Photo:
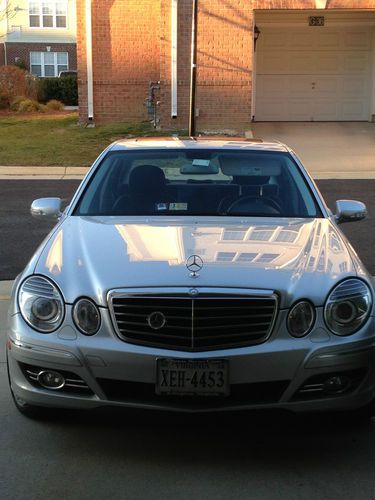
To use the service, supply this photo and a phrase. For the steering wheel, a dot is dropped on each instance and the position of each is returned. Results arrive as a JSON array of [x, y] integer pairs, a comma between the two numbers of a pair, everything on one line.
[[259, 204]]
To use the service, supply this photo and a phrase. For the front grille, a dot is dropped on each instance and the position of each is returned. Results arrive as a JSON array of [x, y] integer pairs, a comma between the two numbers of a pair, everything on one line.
[[240, 394], [200, 323]]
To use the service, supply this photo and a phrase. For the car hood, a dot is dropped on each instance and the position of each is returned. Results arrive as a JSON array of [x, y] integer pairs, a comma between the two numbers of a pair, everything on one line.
[[298, 258]]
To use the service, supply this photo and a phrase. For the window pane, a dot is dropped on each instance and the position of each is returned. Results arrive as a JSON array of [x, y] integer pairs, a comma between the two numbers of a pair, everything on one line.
[[36, 70], [268, 257], [233, 235], [61, 9], [36, 57], [61, 68], [47, 9], [47, 21], [34, 8], [62, 58], [261, 235], [60, 22], [246, 257], [49, 70], [225, 256], [34, 21], [49, 58]]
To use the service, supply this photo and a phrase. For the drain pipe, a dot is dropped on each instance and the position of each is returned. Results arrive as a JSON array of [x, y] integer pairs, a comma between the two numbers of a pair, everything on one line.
[[174, 30], [90, 80], [193, 71]]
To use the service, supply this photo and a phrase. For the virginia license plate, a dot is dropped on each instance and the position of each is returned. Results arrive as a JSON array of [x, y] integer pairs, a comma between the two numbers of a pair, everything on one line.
[[192, 377]]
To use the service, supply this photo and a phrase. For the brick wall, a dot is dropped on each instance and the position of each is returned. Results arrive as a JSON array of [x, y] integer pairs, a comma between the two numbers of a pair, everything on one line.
[[131, 46], [22, 51], [2, 54], [224, 62], [126, 55]]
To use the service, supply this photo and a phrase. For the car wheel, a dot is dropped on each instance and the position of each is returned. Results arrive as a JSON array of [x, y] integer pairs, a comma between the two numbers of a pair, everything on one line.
[[30, 411]]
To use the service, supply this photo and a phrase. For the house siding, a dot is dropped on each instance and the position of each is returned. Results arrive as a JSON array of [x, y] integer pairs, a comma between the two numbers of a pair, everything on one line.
[[132, 46]]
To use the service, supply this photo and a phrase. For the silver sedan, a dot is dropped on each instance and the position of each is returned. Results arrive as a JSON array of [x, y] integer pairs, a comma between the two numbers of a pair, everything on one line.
[[194, 275]]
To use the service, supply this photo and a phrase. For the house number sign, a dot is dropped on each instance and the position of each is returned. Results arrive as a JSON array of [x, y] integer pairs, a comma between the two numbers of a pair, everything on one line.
[[316, 21]]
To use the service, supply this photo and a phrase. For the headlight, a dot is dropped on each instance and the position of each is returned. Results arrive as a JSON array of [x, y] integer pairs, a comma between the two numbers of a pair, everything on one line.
[[86, 316], [348, 307], [301, 318], [41, 304]]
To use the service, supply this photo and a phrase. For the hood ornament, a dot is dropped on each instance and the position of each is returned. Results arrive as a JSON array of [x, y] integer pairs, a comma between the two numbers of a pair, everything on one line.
[[194, 264]]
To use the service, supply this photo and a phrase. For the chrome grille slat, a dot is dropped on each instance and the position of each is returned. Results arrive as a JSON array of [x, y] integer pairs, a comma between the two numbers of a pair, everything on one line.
[[194, 323], [244, 325]]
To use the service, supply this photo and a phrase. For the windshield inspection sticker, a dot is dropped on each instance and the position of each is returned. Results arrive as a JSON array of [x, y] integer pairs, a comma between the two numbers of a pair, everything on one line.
[[178, 206], [201, 163], [161, 206]]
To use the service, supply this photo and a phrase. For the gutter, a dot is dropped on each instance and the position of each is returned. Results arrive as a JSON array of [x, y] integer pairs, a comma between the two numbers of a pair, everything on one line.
[[90, 80]]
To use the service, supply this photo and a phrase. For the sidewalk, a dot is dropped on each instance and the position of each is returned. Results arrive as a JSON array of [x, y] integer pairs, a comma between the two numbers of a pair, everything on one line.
[[32, 172]]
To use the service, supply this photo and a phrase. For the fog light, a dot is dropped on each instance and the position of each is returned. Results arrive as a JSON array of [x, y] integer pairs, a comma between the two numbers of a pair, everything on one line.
[[336, 384], [51, 380]]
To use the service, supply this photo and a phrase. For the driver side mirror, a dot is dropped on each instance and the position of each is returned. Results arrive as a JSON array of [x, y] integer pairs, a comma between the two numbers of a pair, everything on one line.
[[46, 208], [349, 211]]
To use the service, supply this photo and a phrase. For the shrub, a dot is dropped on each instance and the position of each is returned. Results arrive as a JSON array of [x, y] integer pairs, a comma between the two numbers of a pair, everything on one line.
[[14, 104], [20, 63], [61, 89], [25, 105], [4, 101], [54, 105], [15, 81]]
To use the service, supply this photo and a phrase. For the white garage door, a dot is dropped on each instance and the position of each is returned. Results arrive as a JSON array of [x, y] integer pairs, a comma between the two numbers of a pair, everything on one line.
[[313, 74]]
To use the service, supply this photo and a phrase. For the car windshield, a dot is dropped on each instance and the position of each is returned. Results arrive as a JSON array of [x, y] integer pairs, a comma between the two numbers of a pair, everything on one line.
[[219, 182]]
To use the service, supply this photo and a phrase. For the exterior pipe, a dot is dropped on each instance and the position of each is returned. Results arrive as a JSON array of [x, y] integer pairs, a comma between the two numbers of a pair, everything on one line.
[[193, 73], [174, 21], [90, 82]]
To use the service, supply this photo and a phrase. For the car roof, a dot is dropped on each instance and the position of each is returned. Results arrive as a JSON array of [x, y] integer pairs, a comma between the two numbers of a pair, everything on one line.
[[205, 142]]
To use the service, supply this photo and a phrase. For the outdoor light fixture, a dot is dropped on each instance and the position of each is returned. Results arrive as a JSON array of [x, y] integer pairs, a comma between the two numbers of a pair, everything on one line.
[[256, 36]]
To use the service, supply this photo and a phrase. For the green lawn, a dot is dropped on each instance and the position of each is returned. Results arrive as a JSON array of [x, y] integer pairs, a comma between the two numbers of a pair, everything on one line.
[[58, 140]]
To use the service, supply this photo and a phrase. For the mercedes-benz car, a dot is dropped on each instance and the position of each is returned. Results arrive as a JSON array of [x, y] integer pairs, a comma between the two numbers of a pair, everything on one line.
[[194, 275]]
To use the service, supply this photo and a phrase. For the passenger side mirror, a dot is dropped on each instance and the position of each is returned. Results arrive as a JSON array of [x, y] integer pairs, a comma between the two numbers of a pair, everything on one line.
[[349, 211], [46, 208]]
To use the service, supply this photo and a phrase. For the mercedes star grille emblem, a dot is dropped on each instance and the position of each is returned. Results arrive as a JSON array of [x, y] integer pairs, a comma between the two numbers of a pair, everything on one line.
[[194, 264], [156, 320]]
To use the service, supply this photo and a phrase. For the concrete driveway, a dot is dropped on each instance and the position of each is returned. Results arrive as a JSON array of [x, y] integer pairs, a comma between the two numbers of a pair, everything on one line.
[[340, 150]]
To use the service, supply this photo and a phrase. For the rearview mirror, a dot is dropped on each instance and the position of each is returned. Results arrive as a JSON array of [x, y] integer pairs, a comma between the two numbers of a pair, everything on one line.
[[46, 208], [349, 211]]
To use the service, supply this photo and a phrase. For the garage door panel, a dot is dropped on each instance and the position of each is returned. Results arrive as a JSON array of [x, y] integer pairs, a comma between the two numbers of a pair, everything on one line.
[[328, 85], [327, 62], [355, 87], [325, 110], [353, 110], [357, 40], [313, 74], [354, 62], [300, 41], [328, 41]]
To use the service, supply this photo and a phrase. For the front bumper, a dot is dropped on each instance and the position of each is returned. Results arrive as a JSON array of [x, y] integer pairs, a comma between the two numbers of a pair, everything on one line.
[[269, 375]]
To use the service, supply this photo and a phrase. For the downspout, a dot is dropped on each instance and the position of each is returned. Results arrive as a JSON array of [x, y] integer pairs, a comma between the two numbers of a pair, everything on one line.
[[193, 69], [90, 82], [174, 30]]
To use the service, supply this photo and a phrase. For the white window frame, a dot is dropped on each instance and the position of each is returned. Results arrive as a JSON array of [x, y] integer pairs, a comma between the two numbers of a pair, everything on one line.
[[56, 65], [53, 3]]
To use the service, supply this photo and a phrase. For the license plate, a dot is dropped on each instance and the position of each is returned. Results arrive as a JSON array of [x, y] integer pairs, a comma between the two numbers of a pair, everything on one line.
[[192, 377]]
